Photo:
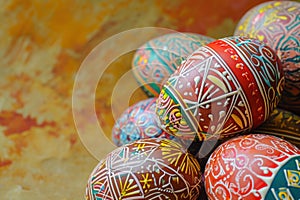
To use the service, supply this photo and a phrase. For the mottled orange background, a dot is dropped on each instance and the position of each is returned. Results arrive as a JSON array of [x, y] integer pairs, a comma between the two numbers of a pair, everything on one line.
[[42, 44]]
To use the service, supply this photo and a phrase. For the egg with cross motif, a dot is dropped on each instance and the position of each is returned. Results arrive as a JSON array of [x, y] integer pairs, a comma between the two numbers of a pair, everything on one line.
[[226, 87], [158, 58], [254, 166], [153, 168]]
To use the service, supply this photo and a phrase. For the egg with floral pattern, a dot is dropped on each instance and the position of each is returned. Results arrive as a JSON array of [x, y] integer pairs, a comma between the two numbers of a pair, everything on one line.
[[254, 166], [277, 23], [153, 168], [158, 58], [137, 122], [224, 88]]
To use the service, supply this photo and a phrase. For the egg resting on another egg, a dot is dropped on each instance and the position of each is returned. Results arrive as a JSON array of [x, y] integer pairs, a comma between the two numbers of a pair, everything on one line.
[[226, 87], [137, 122], [283, 124], [277, 23], [157, 59], [254, 166], [153, 168]]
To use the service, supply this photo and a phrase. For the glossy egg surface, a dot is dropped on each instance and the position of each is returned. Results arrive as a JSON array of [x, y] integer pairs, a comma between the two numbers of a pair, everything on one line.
[[277, 23], [153, 168], [157, 59], [254, 166], [226, 87], [139, 121], [283, 124]]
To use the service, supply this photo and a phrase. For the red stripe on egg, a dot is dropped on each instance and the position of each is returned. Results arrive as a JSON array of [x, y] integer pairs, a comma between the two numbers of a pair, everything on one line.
[[247, 80]]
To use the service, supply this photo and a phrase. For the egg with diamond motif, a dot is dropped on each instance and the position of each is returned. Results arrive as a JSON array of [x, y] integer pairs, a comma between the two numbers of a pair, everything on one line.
[[139, 121], [254, 166], [152, 168], [277, 23], [158, 58], [224, 88]]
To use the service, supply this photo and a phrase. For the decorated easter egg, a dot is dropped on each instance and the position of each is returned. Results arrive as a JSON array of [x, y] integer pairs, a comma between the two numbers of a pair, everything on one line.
[[226, 87], [137, 122], [157, 59], [255, 166], [283, 124], [153, 168], [277, 23]]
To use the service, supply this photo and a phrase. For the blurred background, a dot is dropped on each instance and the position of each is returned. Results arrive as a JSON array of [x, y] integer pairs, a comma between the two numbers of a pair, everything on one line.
[[42, 45]]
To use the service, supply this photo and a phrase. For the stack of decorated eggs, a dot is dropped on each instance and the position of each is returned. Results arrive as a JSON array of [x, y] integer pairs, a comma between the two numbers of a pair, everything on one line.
[[221, 121]]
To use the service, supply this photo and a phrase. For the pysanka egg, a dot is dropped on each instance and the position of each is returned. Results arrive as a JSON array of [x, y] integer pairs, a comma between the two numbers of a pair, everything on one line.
[[277, 23], [226, 87], [283, 124], [158, 58], [137, 122], [153, 168], [254, 166]]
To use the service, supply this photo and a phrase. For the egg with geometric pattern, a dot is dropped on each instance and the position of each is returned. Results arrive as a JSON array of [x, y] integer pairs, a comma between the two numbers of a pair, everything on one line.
[[153, 168], [254, 166], [277, 23], [226, 87], [158, 58]]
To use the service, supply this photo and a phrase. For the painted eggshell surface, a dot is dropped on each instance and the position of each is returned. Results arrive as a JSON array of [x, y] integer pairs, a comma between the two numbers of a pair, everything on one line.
[[277, 23], [152, 168], [226, 87], [137, 122], [157, 59], [283, 124], [254, 166]]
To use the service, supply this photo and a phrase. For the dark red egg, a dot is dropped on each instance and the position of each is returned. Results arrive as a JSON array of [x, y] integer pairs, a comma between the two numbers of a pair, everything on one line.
[[153, 168]]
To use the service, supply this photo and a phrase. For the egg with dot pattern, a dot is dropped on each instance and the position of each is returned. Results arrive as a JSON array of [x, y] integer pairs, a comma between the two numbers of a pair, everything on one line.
[[227, 87], [277, 23], [152, 168], [158, 58], [254, 166], [138, 121]]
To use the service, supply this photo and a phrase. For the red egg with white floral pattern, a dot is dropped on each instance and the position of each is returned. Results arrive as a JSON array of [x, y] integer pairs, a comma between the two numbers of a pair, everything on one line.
[[152, 168], [224, 88], [255, 166]]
